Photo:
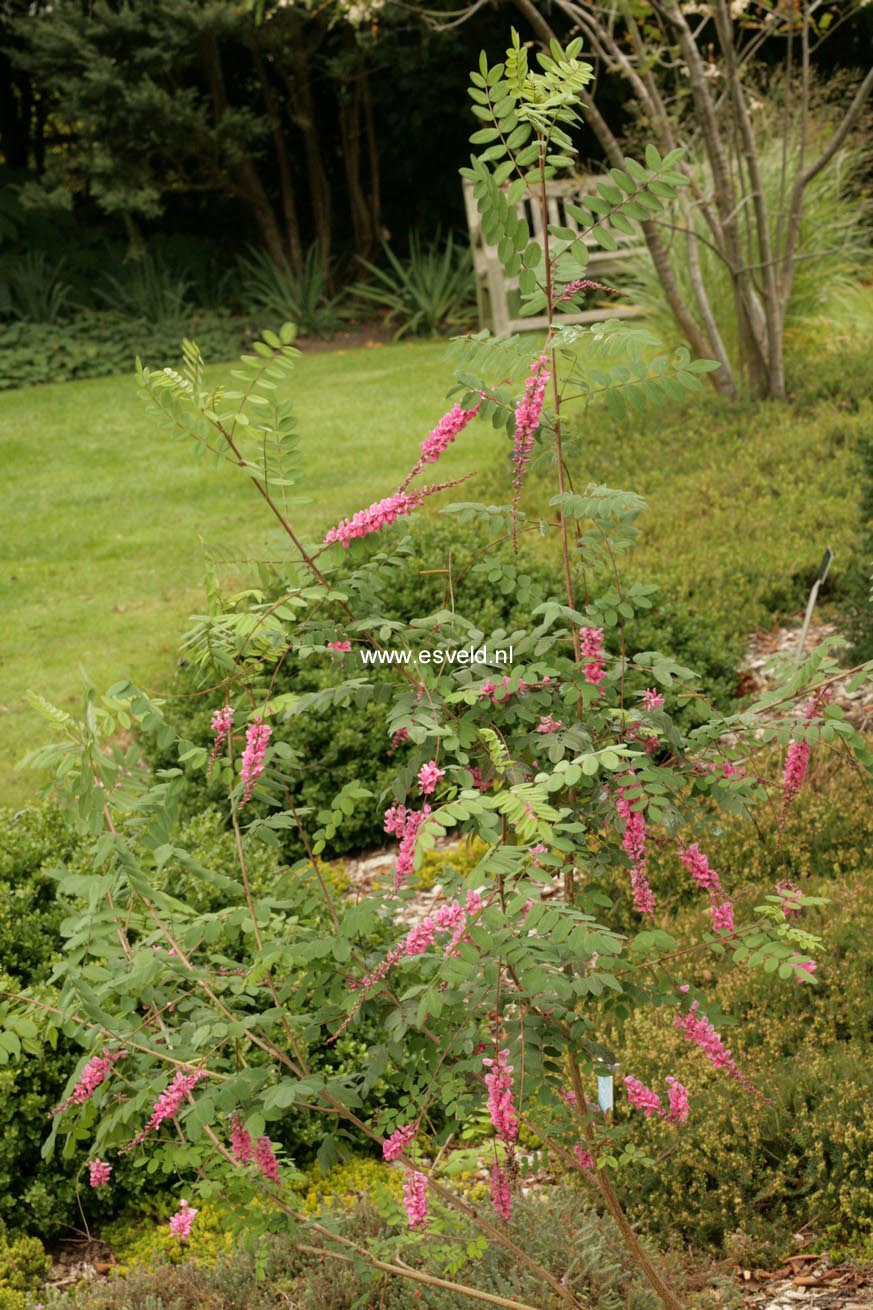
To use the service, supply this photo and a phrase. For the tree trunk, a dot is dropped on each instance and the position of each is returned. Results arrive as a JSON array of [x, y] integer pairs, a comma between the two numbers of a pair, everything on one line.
[[722, 379], [286, 185], [350, 135], [304, 116], [244, 179], [373, 156]]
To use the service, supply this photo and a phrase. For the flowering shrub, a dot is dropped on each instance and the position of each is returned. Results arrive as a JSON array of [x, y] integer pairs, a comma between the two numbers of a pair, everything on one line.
[[201, 1030]]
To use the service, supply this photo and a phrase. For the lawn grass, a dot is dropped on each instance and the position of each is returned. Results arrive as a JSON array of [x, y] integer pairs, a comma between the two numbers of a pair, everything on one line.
[[103, 513]]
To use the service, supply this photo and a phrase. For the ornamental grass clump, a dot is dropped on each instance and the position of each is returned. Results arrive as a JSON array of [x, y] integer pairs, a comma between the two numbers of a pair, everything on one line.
[[495, 1007]]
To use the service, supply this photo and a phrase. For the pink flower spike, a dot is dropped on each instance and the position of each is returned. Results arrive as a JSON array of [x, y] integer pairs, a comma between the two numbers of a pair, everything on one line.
[[789, 899], [584, 284], [266, 1160], [221, 724], [95, 1072], [803, 969], [240, 1141], [442, 436], [547, 724], [415, 1199], [584, 1159], [169, 1102], [642, 1097], [258, 736], [593, 654], [722, 917], [501, 1196], [394, 1146], [678, 1101], [99, 1173], [699, 867], [404, 824], [634, 842], [500, 1097], [382, 513], [699, 1030], [180, 1224], [652, 699], [342, 646], [428, 776], [794, 776], [528, 413]]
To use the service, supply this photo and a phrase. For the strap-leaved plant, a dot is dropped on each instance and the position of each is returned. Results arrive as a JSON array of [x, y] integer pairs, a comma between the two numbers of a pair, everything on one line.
[[202, 1029]]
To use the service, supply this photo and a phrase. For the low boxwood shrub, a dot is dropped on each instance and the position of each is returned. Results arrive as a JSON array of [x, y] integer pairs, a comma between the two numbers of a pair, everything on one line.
[[23, 1267]]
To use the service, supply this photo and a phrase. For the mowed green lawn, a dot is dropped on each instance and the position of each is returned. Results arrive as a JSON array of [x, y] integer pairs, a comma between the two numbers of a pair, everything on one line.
[[103, 516]]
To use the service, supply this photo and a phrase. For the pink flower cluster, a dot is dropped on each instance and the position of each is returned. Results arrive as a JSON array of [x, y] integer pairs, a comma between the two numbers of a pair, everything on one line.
[[259, 1153], [698, 1029], [548, 724], [99, 1173], [501, 1196], [381, 514], [584, 1158], [796, 768], [221, 724], [797, 755], [789, 899], [643, 1098], [428, 776], [446, 918], [634, 842], [342, 646], [720, 908], [180, 1224], [593, 654], [258, 736], [95, 1072], [169, 1102], [404, 825], [803, 968], [415, 1199], [528, 413], [652, 699], [266, 1160], [394, 1146], [583, 284], [501, 1105], [442, 436]]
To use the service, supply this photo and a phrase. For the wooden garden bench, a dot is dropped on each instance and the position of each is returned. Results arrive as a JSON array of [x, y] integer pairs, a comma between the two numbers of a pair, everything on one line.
[[493, 287]]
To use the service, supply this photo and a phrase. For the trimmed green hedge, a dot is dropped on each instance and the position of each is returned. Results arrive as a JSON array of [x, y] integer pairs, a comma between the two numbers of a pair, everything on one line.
[[102, 343]]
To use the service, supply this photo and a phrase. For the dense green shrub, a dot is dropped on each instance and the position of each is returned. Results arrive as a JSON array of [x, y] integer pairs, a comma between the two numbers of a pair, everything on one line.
[[808, 1145], [39, 1196], [46, 1197], [99, 343], [441, 566], [23, 1266]]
